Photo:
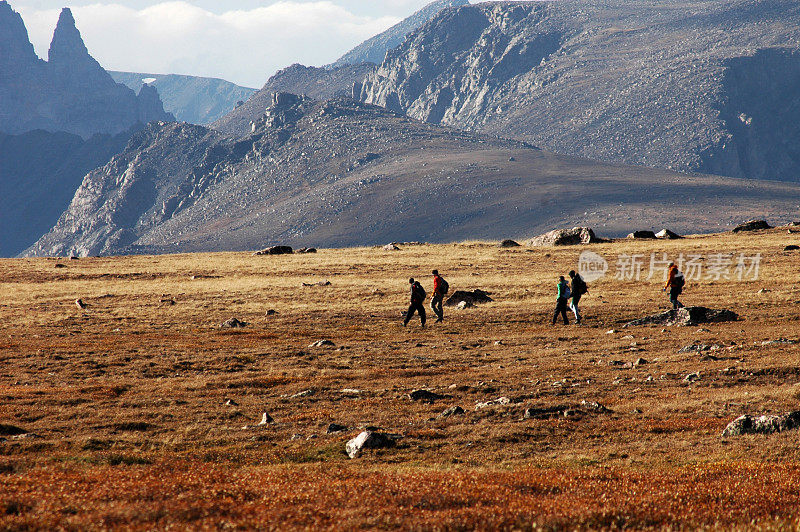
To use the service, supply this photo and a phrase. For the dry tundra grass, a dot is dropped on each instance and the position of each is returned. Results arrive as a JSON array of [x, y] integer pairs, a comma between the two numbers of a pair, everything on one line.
[[124, 402]]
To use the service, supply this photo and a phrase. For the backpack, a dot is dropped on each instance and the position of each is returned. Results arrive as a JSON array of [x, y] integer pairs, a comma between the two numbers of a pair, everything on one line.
[[579, 286], [679, 281], [420, 292], [444, 287]]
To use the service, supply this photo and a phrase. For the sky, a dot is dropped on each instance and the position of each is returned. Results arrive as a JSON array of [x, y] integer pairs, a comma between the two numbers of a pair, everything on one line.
[[243, 41]]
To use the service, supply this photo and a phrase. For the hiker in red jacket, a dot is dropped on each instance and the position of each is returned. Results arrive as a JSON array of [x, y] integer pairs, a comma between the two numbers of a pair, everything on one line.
[[440, 288], [675, 284]]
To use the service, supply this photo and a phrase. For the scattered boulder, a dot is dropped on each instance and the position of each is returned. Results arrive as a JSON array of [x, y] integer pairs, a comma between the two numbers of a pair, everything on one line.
[[391, 247], [307, 250], [426, 396], [464, 305], [333, 428], [11, 430], [666, 234], [231, 402], [762, 425], [322, 343], [686, 316], [692, 377], [643, 235], [641, 362], [791, 247], [566, 237], [233, 323], [500, 401], [271, 312], [266, 419], [80, 304], [546, 412], [275, 250], [369, 440], [509, 244], [471, 298], [59, 265], [319, 283], [752, 225], [452, 411]]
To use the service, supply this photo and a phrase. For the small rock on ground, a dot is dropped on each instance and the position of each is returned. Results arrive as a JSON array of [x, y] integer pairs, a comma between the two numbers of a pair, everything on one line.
[[369, 440], [233, 323], [323, 343]]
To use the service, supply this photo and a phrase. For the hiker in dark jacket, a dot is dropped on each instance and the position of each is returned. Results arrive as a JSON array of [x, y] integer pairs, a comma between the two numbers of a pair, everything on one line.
[[578, 289], [561, 302], [418, 296], [439, 290], [675, 284]]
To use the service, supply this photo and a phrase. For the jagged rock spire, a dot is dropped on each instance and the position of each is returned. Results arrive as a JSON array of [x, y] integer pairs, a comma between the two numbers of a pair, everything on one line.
[[14, 42], [67, 45]]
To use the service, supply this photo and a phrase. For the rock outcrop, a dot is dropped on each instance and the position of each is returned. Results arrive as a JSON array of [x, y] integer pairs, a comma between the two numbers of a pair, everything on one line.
[[374, 49], [768, 424], [70, 92], [566, 237], [752, 225], [315, 83], [686, 316], [693, 86]]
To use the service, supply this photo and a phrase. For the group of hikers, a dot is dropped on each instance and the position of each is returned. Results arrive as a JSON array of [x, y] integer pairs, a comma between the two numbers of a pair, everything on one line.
[[574, 290]]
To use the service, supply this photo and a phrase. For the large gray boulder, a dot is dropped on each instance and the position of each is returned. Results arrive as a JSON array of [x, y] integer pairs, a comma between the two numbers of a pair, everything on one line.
[[369, 440], [752, 225], [566, 237], [470, 298], [685, 317], [763, 424]]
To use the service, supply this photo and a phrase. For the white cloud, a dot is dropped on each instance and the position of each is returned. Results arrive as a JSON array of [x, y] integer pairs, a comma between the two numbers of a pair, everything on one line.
[[244, 46]]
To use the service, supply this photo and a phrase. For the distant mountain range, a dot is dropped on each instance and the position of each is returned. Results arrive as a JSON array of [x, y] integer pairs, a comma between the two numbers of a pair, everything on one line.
[[192, 99], [70, 92], [692, 85], [344, 173], [687, 84], [59, 119]]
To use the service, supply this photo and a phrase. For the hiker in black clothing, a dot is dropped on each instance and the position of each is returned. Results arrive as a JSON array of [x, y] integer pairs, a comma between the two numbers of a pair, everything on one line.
[[578, 289], [561, 302], [418, 296], [440, 289]]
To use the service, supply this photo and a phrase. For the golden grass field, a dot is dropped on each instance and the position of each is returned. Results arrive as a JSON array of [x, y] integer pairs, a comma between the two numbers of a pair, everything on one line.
[[124, 402]]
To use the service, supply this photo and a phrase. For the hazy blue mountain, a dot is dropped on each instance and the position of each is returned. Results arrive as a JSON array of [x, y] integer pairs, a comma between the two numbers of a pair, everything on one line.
[[39, 174], [70, 92], [192, 99]]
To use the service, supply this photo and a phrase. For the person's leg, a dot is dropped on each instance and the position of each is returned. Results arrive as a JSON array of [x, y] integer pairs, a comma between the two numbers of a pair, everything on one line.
[[411, 309], [436, 306], [564, 312], [421, 310], [575, 310], [557, 312]]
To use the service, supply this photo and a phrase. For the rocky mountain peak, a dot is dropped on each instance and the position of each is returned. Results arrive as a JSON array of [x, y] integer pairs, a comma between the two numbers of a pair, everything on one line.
[[67, 46], [14, 43]]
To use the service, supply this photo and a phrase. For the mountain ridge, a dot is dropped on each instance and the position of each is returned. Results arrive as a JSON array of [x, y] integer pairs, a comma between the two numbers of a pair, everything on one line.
[[658, 84]]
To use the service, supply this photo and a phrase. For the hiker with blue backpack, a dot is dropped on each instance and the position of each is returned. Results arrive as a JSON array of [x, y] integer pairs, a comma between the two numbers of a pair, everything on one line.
[[564, 294]]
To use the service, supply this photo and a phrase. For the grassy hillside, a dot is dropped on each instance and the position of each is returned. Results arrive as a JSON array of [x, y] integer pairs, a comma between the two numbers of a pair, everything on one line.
[[125, 401]]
